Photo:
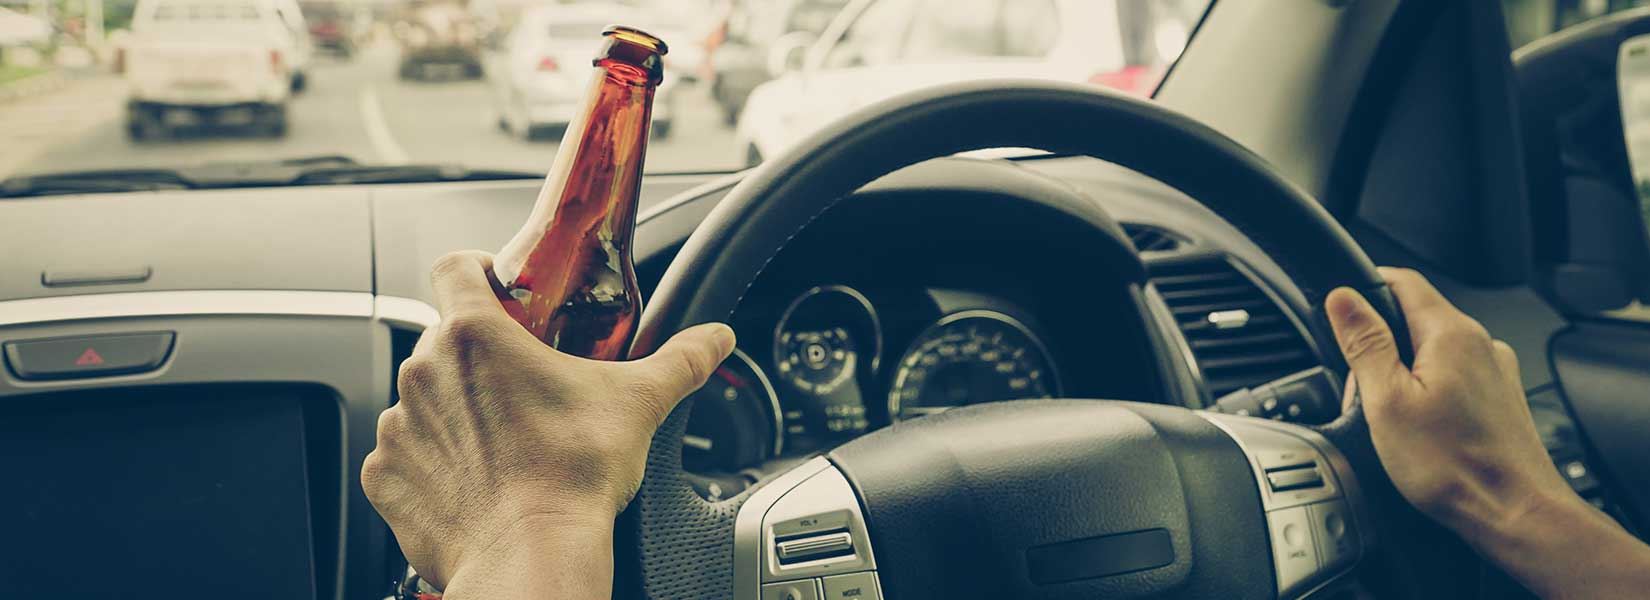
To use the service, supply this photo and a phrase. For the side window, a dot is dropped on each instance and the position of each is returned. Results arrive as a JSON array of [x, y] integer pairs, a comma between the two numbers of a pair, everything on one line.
[[1029, 27], [874, 37], [946, 29], [1530, 20]]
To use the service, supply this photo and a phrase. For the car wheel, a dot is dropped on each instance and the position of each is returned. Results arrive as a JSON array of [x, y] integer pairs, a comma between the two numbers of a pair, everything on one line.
[[411, 70], [299, 82]]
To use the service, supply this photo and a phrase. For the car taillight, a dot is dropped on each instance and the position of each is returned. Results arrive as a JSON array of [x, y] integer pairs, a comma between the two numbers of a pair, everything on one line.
[[275, 61], [548, 63], [1136, 80]]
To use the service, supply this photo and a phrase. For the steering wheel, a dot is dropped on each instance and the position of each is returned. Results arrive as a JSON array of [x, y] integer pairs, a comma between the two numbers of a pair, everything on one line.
[[1033, 499]]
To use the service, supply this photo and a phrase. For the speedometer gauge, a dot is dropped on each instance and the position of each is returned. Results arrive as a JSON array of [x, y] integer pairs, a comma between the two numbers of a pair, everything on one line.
[[967, 358], [735, 420]]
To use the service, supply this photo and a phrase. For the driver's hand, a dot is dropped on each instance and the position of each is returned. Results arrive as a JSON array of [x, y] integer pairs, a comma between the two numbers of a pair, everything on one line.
[[1455, 432], [496, 434]]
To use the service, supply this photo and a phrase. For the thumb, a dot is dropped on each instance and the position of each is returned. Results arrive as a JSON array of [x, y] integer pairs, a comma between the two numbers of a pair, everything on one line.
[[1367, 343], [685, 362]]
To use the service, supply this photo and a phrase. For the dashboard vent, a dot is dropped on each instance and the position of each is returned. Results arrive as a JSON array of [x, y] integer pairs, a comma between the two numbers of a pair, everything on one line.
[[1238, 334], [1147, 238]]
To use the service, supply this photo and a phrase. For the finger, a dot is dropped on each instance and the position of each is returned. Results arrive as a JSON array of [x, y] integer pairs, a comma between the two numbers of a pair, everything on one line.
[[1507, 360], [426, 340], [1425, 308], [1349, 392], [463, 285], [685, 362], [1367, 343]]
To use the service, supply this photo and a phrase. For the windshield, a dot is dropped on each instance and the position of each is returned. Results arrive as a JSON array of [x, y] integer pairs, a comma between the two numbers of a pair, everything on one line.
[[169, 86]]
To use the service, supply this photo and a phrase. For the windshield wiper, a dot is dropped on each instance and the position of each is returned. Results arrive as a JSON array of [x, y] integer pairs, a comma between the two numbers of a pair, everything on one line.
[[94, 182], [315, 170]]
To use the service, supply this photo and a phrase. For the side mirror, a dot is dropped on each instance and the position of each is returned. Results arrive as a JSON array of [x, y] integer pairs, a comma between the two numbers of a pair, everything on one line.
[[1587, 148], [788, 53]]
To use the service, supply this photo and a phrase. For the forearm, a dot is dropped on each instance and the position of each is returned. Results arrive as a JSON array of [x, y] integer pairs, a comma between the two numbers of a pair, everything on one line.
[[541, 559], [1561, 547]]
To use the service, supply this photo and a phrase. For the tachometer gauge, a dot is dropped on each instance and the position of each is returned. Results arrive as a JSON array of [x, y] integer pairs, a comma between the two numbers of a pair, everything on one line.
[[735, 420], [823, 342], [967, 358]]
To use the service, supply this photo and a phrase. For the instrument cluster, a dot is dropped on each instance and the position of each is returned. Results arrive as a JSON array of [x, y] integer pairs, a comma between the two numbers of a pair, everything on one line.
[[838, 363]]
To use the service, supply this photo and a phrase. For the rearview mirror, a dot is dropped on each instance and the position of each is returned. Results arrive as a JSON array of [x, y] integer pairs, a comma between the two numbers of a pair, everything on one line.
[[789, 52]]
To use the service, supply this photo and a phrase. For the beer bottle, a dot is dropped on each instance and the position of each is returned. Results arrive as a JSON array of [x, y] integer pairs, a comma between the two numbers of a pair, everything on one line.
[[569, 271]]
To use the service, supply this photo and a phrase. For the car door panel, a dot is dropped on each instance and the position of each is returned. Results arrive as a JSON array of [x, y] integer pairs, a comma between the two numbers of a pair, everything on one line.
[[1604, 370]]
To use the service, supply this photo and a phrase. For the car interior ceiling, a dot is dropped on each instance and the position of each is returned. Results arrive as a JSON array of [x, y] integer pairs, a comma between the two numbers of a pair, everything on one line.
[[1435, 144]]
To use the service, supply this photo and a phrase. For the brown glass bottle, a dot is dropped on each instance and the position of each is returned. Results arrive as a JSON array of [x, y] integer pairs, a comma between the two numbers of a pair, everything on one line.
[[569, 271]]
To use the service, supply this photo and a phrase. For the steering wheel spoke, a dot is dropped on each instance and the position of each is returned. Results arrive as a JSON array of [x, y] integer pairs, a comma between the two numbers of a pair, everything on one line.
[[1310, 495], [804, 537]]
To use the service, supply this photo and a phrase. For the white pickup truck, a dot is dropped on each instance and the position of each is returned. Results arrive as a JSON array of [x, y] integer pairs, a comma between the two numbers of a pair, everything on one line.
[[212, 63]]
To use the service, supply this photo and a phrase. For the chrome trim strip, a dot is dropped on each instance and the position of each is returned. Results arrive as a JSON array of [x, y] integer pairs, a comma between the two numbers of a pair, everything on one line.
[[1159, 310], [87, 307], [773, 399], [405, 312]]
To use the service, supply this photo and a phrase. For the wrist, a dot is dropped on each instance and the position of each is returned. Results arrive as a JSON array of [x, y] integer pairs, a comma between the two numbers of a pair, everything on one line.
[[540, 555], [1527, 518]]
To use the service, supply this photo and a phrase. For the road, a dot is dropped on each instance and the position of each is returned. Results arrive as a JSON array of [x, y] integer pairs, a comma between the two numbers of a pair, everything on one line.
[[357, 108]]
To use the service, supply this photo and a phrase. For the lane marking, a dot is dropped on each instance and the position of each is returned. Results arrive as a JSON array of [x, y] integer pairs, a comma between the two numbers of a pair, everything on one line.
[[378, 130]]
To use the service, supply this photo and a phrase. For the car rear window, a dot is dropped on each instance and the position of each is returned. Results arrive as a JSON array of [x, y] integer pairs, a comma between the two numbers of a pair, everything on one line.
[[206, 11]]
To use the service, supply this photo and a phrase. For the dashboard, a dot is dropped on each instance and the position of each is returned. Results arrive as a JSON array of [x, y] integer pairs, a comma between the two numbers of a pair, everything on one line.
[[288, 311]]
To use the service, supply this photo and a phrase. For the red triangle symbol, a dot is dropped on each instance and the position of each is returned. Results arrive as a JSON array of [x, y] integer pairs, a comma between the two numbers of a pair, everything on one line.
[[89, 358]]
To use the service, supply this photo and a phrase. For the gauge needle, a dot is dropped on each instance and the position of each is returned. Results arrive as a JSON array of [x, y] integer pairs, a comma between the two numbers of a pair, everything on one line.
[[697, 442]]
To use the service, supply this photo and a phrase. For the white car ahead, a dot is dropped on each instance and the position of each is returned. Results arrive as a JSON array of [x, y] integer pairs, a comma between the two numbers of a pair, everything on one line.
[[876, 49], [541, 74], [211, 62]]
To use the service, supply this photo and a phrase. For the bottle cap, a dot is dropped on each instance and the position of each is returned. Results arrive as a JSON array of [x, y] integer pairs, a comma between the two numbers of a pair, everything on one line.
[[638, 37]]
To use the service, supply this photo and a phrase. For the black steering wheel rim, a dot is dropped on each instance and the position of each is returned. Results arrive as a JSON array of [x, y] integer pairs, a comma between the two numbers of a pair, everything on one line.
[[679, 545]]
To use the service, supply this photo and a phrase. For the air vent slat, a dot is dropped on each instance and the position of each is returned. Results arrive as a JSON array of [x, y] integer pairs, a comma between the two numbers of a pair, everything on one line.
[[1236, 289], [1256, 346], [1211, 343], [1147, 238], [1204, 309], [1200, 325]]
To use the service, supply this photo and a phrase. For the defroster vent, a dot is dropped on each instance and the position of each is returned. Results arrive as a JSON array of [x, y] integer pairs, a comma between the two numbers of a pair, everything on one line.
[[1147, 238], [1238, 334]]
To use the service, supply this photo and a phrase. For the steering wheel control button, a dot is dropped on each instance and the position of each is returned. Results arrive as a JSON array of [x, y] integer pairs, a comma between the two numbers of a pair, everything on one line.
[[1291, 471], [1294, 479], [88, 356], [853, 586], [1332, 528], [807, 589], [815, 530], [1293, 553], [1293, 458], [830, 545]]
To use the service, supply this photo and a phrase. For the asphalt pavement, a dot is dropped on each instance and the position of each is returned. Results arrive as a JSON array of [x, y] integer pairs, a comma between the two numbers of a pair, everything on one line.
[[357, 108]]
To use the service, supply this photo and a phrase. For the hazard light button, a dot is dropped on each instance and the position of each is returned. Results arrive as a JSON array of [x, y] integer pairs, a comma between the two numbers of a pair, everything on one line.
[[88, 356]]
